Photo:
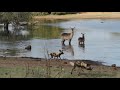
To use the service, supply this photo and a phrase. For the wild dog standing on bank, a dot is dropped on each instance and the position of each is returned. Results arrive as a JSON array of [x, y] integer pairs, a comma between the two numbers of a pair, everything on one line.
[[81, 65], [58, 54], [114, 66]]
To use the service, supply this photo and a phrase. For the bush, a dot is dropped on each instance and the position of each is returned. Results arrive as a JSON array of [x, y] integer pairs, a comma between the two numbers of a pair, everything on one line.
[[53, 13], [62, 13]]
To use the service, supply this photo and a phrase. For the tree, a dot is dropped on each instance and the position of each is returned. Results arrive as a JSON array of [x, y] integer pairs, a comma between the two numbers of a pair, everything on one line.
[[14, 17]]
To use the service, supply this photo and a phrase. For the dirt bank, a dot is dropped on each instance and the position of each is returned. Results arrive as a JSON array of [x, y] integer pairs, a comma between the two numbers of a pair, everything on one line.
[[14, 67], [21, 61]]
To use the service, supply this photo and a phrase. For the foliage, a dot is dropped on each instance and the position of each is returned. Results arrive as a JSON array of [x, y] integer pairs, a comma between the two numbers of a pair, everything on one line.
[[53, 13], [62, 13], [39, 13], [14, 16]]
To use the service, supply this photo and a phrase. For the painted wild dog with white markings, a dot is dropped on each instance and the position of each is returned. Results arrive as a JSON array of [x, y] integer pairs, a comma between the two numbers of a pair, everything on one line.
[[81, 65], [56, 54]]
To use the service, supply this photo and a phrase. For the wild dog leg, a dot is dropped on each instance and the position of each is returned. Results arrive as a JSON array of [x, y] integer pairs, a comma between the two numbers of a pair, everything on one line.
[[73, 68]]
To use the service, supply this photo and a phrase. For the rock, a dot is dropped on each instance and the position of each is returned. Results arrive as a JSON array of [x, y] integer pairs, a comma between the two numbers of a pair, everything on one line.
[[28, 47]]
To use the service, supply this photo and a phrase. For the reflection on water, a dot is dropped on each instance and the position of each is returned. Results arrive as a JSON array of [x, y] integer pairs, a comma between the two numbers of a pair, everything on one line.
[[82, 47], [68, 48], [14, 44], [46, 32], [102, 40]]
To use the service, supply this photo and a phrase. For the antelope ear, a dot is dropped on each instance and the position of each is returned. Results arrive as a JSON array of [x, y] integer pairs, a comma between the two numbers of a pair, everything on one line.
[[72, 27]]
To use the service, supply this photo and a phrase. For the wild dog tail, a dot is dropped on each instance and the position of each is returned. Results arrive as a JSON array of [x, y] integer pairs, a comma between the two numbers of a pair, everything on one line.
[[71, 63]]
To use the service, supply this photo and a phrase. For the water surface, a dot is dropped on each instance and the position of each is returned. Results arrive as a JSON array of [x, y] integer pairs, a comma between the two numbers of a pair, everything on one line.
[[102, 40]]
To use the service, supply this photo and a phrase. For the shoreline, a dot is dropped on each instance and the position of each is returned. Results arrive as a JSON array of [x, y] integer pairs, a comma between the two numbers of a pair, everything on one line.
[[32, 59], [27, 67], [86, 15]]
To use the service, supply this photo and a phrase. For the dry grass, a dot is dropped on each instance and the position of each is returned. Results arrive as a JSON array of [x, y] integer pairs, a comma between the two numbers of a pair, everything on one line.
[[40, 68]]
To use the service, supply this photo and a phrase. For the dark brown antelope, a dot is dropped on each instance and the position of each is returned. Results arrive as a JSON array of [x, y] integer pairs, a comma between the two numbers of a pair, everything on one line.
[[81, 40], [67, 36], [80, 64]]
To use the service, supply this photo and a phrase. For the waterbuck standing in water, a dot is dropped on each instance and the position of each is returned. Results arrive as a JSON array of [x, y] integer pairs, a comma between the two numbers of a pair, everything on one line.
[[67, 36], [81, 40]]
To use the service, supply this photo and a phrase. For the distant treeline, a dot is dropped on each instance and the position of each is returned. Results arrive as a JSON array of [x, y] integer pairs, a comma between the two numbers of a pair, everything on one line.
[[53, 13]]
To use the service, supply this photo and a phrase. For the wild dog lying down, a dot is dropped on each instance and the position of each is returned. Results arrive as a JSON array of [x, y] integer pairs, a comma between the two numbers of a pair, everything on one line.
[[58, 54], [80, 64]]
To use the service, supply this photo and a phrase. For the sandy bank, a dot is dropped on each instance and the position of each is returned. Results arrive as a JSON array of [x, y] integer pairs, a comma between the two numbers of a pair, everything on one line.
[[87, 15]]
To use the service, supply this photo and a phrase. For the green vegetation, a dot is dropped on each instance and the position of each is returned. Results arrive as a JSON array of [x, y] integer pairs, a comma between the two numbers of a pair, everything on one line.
[[14, 16], [51, 13], [46, 32], [52, 72]]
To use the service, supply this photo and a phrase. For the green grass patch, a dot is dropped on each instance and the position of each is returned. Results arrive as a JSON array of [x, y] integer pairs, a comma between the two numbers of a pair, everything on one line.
[[53, 72]]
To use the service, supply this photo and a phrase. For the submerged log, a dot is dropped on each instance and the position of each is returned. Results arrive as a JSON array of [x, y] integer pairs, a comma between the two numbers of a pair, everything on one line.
[[28, 47]]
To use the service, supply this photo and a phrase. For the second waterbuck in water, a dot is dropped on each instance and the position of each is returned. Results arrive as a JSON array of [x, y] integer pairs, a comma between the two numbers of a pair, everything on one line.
[[81, 40], [67, 36]]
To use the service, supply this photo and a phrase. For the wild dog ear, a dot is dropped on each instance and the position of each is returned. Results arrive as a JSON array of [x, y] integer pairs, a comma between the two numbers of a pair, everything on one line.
[[60, 50]]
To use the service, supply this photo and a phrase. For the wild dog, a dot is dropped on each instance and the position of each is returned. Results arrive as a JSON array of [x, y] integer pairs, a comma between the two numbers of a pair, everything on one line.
[[81, 65], [114, 66], [58, 54]]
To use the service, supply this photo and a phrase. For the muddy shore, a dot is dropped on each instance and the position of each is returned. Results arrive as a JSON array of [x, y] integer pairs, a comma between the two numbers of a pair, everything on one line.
[[22, 67], [8, 61]]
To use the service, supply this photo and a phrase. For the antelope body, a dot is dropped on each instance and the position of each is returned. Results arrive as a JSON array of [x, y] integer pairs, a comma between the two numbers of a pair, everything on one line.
[[81, 40], [67, 36]]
